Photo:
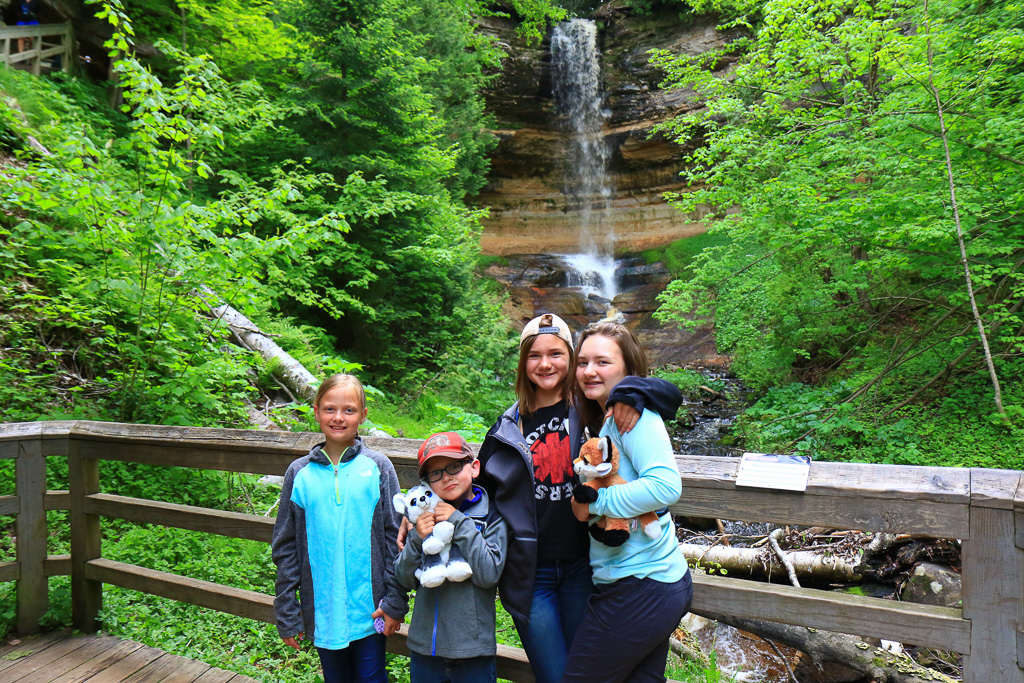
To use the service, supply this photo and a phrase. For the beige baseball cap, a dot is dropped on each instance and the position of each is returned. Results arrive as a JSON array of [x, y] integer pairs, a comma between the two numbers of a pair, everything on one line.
[[549, 323]]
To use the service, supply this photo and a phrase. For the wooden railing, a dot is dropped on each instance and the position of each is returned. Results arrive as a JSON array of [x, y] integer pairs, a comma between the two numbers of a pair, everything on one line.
[[47, 41], [983, 508]]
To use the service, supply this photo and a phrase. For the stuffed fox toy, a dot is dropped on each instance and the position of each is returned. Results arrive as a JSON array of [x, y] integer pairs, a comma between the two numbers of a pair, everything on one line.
[[598, 468]]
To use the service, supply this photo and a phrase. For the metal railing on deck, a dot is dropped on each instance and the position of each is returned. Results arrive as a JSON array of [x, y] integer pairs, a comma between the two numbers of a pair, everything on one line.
[[47, 41], [983, 508]]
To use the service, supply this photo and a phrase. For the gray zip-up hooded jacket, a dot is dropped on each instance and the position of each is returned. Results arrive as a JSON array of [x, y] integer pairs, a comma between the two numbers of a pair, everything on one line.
[[336, 533], [456, 619]]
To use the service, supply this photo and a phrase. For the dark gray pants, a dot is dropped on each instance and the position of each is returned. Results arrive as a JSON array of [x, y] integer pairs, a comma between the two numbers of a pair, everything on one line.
[[624, 634]]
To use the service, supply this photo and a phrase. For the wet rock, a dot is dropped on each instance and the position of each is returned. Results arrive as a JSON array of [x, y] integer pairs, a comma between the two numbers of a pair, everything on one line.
[[634, 276], [639, 299], [932, 584]]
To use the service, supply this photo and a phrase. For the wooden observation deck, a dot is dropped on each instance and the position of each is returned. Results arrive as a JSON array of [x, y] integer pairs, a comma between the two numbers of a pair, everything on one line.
[[983, 508], [60, 657]]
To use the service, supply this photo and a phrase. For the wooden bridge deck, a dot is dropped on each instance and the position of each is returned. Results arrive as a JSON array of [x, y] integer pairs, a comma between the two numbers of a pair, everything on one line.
[[60, 657]]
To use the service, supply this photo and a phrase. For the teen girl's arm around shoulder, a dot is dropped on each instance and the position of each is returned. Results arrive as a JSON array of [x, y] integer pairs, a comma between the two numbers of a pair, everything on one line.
[[485, 550], [649, 450], [396, 597], [284, 550], [487, 448]]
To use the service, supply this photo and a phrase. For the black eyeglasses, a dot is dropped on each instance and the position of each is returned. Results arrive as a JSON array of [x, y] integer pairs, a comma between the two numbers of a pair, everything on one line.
[[451, 468]]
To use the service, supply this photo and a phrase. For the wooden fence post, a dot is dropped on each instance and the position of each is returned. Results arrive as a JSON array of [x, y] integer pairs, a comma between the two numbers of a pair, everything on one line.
[[993, 579], [86, 595], [30, 527]]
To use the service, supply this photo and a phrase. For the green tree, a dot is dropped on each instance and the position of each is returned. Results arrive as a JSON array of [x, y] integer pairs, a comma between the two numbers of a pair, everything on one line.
[[834, 133]]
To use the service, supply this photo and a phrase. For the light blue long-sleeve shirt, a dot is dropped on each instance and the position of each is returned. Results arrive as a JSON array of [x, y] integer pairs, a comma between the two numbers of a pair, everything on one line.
[[652, 483]]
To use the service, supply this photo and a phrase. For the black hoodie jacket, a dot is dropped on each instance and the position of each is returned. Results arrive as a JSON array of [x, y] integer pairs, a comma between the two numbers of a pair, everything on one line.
[[506, 472]]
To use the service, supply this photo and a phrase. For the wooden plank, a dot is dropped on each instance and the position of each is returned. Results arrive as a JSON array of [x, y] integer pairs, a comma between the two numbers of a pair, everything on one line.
[[88, 648], [16, 431], [232, 450], [113, 651], [994, 488], [86, 593], [53, 429], [184, 670], [10, 571], [30, 526], [57, 500], [157, 670], [993, 596], [233, 524], [243, 603], [935, 627], [40, 30], [137, 660], [852, 480], [199, 457], [183, 456], [24, 669], [9, 505], [1018, 515], [201, 438], [57, 565], [936, 519], [28, 646], [214, 675]]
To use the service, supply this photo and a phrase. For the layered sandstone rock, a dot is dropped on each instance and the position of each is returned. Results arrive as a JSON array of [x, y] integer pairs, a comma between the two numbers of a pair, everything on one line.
[[530, 210]]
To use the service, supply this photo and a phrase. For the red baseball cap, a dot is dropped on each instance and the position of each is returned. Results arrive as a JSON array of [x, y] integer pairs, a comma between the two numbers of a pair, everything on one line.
[[450, 444]]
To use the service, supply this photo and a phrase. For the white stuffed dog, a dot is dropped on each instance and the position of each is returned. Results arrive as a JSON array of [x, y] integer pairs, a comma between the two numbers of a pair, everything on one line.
[[441, 560]]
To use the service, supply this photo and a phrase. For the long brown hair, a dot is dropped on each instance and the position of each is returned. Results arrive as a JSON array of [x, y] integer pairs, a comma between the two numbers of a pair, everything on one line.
[[526, 392], [633, 356]]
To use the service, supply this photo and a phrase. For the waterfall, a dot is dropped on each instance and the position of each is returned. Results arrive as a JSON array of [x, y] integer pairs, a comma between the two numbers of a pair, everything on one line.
[[576, 75]]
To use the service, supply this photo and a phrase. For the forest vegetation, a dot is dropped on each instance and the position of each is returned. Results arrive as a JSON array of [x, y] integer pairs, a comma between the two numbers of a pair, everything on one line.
[[312, 164]]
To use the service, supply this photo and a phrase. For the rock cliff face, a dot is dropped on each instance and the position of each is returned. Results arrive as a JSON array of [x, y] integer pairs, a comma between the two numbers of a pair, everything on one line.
[[533, 218], [530, 213]]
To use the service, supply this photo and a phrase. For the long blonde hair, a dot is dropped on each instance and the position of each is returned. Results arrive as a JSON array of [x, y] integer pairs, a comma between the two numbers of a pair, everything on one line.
[[341, 380]]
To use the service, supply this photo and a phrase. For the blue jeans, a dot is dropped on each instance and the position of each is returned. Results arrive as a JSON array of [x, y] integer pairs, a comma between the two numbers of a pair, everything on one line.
[[561, 589], [363, 661], [424, 669], [625, 634]]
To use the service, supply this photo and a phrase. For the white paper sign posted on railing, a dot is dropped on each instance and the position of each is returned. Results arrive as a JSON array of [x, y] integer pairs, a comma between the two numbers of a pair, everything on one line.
[[770, 471]]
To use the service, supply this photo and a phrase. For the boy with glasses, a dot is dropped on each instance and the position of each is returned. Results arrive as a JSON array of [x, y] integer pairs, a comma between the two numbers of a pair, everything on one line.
[[451, 635]]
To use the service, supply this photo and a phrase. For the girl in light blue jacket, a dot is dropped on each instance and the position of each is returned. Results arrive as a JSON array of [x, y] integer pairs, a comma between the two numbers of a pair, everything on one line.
[[643, 586]]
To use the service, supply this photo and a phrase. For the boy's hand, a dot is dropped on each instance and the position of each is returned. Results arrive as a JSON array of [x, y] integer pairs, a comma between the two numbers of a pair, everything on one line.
[[425, 524], [293, 641], [442, 512]]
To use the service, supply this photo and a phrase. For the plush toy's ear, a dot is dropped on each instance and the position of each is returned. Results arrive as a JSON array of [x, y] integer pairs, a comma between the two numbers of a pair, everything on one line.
[[399, 502], [606, 449], [603, 469]]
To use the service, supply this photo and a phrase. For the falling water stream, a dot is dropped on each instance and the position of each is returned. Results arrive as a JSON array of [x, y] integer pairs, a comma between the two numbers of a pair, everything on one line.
[[576, 69]]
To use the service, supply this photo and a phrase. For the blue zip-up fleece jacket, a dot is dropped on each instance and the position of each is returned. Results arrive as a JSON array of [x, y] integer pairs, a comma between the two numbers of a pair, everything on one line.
[[456, 620], [335, 542]]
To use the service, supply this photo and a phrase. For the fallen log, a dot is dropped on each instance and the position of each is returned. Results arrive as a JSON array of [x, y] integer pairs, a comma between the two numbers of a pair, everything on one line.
[[291, 373], [823, 647], [764, 563]]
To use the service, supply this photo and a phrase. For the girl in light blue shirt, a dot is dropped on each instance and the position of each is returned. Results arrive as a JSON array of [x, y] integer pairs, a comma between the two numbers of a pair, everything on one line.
[[643, 586]]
